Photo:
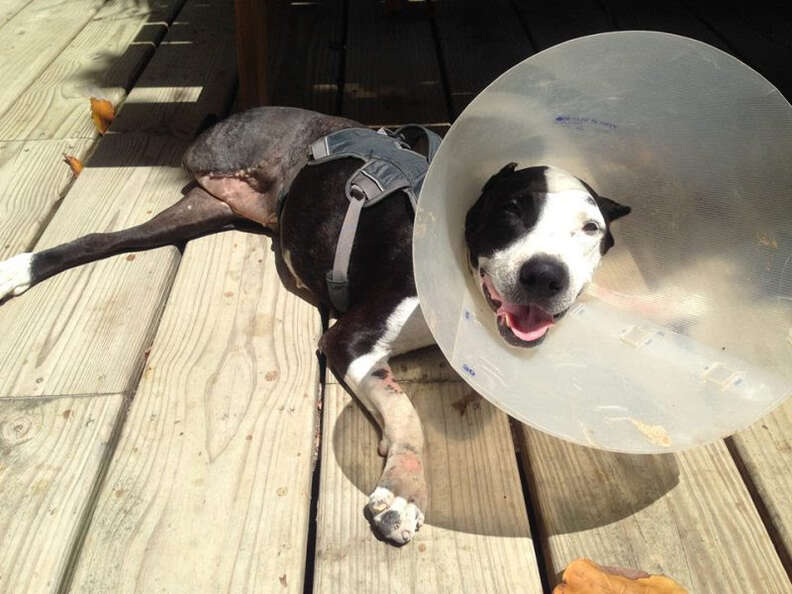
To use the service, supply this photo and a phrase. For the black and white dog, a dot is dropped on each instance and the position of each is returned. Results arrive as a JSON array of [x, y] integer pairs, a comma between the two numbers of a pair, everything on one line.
[[535, 237]]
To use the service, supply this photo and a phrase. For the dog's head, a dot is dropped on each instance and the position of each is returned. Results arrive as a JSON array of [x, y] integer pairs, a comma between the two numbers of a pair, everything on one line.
[[535, 237]]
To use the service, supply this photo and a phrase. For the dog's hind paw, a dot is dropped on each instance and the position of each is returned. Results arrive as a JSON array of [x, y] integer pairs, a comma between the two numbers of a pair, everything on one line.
[[393, 518], [15, 275]]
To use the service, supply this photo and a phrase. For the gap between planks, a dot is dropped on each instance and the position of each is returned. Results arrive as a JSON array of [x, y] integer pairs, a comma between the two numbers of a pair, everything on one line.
[[50, 397]]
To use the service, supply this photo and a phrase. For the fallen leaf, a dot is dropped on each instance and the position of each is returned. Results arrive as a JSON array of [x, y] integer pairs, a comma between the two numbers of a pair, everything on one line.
[[102, 114], [73, 162], [583, 576]]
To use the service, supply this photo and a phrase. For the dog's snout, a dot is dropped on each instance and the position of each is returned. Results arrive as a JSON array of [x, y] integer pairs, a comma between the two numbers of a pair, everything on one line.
[[543, 277]]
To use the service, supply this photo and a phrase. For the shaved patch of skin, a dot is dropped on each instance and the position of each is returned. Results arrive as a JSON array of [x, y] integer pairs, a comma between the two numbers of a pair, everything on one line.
[[388, 380], [251, 158], [243, 193], [402, 445]]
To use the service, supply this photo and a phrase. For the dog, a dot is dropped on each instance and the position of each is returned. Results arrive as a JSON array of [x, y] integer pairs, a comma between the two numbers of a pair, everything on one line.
[[534, 237]]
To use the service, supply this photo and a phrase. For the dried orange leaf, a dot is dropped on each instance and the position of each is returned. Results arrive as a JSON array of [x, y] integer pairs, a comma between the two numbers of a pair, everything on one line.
[[586, 577], [75, 164], [102, 114]]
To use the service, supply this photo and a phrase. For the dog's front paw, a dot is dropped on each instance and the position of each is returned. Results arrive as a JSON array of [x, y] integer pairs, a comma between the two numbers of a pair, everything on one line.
[[15, 275], [392, 517]]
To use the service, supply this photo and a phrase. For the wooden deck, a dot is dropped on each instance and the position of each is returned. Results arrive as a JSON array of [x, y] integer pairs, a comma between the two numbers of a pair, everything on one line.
[[163, 426]]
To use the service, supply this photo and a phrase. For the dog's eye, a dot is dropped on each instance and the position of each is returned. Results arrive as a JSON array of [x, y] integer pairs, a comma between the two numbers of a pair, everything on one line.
[[513, 207], [591, 227]]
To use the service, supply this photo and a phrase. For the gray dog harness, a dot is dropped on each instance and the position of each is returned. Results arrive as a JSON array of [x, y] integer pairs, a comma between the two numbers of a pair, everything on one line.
[[389, 165]]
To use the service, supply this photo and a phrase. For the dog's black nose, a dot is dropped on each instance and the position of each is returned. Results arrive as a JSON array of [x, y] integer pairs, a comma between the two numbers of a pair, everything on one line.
[[543, 276]]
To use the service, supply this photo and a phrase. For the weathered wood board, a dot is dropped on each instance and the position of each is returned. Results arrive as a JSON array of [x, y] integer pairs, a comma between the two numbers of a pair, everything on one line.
[[101, 61], [85, 330], [493, 29], [52, 118], [670, 16], [476, 537], [209, 489], [11, 8], [687, 515], [33, 37], [33, 180], [190, 80], [765, 452], [307, 65], [51, 453], [392, 75], [753, 39], [550, 22]]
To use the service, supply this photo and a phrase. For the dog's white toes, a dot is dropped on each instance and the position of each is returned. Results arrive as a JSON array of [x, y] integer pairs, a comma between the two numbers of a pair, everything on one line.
[[15, 275], [392, 517]]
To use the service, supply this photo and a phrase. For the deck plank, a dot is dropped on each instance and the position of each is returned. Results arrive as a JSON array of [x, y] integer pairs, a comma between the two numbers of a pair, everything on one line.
[[493, 29], [33, 179], [190, 78], [52, 116], [766, 53], [84, 331], [307, 76], [10, 8], [765, 451], [33, 37], [670, 16], [51, 451], [209, 488], [553, 21], [392, 73], [476, 537], [687, 515], [102, 61]]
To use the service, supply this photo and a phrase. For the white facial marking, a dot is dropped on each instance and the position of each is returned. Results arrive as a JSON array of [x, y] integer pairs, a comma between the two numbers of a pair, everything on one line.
[[405, 330], [16, 275], [560, 181], [558, 233]]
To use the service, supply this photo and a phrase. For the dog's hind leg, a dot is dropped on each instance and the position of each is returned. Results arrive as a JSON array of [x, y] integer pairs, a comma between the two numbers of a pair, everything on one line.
[[197, 213], [357, 349]]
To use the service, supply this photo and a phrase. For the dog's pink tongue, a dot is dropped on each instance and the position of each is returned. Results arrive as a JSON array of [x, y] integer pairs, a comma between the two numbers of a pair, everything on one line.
[[528, 322]]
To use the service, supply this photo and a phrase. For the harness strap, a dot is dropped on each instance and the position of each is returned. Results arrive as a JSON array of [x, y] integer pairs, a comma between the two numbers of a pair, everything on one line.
[[387, 168], [432, 139], [320, 149], [337, 279]]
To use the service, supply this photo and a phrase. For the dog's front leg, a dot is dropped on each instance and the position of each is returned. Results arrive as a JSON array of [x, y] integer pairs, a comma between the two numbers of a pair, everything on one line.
[[395, 507], [359, 356]]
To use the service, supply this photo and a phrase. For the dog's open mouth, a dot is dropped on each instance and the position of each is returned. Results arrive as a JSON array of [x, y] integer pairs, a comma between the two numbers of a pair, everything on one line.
[[519, 325]]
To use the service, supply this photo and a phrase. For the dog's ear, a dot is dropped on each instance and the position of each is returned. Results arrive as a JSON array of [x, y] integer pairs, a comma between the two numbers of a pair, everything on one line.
[[505, 172], [475, 219], [473, 223], [611, 209]]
